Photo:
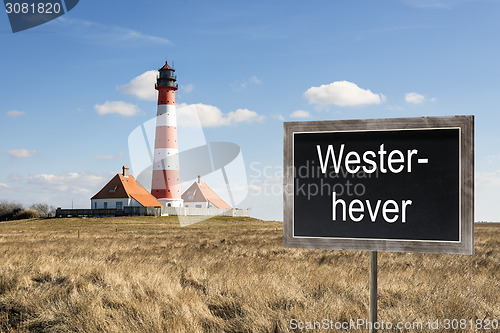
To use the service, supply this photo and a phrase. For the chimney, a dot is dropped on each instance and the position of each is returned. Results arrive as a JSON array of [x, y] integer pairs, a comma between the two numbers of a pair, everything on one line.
[[125, 171], [199, 179]]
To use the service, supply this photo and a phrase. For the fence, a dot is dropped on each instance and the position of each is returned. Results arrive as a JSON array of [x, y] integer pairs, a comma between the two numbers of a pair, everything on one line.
[[193, 211], [152, 211]]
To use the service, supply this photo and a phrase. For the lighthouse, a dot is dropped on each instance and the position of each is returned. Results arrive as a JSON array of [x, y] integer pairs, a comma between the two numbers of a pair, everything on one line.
[[166, 177]]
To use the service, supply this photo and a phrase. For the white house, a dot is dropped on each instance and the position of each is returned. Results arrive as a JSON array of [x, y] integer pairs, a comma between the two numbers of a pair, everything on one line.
[[121, 191], [200, 195]]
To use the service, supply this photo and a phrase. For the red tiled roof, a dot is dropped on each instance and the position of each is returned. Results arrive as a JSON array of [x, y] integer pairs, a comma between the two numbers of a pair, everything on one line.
[[127, 187], [202, 193], [166, 66]]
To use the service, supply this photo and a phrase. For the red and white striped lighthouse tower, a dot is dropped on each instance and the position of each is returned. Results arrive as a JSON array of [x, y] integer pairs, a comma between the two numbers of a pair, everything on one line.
[[166, 178]]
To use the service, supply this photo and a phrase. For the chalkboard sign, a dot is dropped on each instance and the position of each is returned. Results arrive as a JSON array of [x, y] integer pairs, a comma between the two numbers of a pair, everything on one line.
[[401, 185]]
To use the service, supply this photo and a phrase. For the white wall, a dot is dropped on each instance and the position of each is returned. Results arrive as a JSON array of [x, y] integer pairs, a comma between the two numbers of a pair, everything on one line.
[[112, 203], [192, 204], [171, 202], [190, 211]]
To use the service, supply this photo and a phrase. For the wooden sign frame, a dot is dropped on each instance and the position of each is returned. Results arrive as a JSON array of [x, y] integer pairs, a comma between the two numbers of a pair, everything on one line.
[[465, 244]]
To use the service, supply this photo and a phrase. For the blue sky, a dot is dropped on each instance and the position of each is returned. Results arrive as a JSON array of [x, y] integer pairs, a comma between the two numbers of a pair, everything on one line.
[[273, 61]]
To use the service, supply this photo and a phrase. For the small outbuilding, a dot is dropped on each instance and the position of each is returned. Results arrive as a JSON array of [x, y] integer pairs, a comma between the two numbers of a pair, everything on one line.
[[200, 195], [122, 191]]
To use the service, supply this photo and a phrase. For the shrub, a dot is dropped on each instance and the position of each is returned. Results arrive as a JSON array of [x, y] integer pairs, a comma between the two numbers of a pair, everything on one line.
[[15, 211], [9, 209], [44, 210], [26, 214]]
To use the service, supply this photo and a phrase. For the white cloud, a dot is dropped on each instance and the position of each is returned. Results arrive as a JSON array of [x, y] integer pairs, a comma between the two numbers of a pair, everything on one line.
[[15, 177], [255, 80], [118, 107], [108, 156], [488, 179], [71, 182], [15, 113], [342, 93], [243, 116], [278, 116], [104, 34], [414, 98], [487, 186], [59, 190], [21, 153], [492, 158], [254, 188], [3, 186], [188, 88], [212, 116], [142, 86], [300, 114], [238, 85]]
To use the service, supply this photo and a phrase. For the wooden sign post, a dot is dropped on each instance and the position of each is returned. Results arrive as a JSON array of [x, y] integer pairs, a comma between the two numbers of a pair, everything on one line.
[[373, 288]]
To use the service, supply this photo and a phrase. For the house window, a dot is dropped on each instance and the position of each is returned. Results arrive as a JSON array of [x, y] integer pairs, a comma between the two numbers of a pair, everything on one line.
[[105, 205], [198, 206], [190, 197], [95, 205], [119, 205], [112, 190]]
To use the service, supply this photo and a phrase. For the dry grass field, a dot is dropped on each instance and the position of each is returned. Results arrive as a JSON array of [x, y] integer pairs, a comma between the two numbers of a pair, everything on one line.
[[143, 274]]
